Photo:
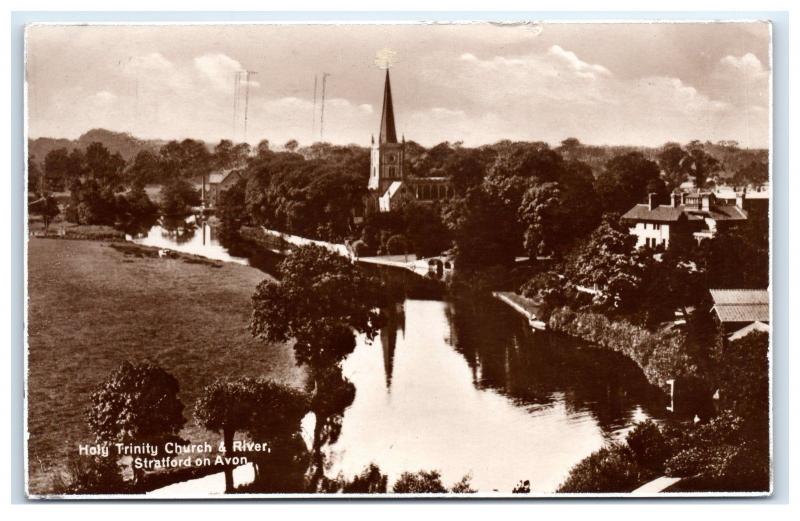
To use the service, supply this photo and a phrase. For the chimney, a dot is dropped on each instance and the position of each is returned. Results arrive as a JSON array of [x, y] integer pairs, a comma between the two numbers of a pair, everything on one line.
[[706, 202], [651, 201], [677, 199], [683, 198], [740, 197]]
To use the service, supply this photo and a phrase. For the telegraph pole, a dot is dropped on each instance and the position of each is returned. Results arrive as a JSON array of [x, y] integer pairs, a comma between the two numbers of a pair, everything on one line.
[[322, 111]]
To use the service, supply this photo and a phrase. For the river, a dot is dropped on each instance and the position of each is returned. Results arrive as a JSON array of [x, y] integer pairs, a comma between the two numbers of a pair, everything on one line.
[[466, 388]]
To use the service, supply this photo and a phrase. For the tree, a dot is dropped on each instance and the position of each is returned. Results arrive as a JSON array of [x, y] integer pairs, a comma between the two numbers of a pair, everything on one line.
[[424, 229], [607, 262], [90, 475], [542, 212], [262, 149], [626, 181], [422, 482], [744, 380], [699, 164], [35, 176], [370, 481], [484, 231], [231, 209], [610, 469], [185, 159], [291, 145], [47, 207], [321, 299], [670, 159], [268, 411], [60, 168], [136, 404], [397, 245], [754, 173], [549, 288], [144, 169], [104, 167], [722, 455], [465, 170], [178, 196], [429, 482]]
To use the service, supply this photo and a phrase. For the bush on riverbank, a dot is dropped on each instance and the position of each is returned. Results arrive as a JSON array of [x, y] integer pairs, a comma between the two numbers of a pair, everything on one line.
[[662, 355]]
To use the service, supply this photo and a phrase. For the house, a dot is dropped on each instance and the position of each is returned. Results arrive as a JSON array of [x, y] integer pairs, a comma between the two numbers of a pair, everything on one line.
[[741, 311], [218, 182], [696, 213], [388, 181]]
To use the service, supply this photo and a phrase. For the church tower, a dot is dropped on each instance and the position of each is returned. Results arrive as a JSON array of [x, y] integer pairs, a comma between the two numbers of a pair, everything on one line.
[[387, 158]]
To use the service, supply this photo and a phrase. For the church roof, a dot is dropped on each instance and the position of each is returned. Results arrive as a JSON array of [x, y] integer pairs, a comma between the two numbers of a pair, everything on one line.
[[388, 134]]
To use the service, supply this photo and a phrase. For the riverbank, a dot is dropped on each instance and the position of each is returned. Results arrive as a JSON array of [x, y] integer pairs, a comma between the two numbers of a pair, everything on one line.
[[61, 229], [91, 307], [661, 354]]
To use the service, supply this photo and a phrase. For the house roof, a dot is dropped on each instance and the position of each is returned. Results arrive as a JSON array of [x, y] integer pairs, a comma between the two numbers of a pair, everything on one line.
[[746, 330], [220, 176], [668, 213], [741, 305], [642, 212], [740, 296]]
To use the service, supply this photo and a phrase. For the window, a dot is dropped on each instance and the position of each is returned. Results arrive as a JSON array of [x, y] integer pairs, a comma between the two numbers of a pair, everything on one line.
[[656, 226]]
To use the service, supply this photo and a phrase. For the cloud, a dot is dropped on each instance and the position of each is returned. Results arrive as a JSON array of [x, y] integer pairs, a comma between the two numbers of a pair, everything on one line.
[[552, 93], [588, 70], [219, 69], [748, 64]]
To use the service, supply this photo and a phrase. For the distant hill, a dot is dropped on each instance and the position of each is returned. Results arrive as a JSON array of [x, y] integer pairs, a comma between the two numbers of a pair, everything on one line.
[[124, 143]]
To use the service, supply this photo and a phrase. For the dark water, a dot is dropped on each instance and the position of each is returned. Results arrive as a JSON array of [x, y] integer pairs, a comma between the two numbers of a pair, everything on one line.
[[465, 387]]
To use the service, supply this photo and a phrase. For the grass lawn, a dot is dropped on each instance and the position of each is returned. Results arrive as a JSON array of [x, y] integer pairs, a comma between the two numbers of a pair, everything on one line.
[[91, 307]]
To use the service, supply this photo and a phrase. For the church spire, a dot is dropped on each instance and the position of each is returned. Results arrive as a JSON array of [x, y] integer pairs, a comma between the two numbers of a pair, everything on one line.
[[388, 133]]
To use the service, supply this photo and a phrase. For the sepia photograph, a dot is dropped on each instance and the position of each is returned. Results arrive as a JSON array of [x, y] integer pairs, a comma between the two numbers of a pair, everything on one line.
[[398, 260]]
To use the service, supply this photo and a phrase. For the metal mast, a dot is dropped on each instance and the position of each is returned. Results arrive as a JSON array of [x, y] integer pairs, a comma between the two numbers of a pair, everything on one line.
[[322, 110], [314, 111]]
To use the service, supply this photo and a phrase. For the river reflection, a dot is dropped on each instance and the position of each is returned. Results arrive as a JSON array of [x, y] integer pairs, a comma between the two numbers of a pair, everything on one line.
[[488, 399], [463, 387], [188, 237]]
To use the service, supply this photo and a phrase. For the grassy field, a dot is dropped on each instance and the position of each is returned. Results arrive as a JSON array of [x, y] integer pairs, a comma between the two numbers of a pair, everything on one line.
[[91, 307]]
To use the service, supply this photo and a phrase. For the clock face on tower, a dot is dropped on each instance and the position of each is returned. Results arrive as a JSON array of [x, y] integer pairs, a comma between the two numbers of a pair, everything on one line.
[[391, 157]]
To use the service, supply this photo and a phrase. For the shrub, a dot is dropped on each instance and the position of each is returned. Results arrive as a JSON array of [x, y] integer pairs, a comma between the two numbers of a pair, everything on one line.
[[610, 469], [649, 446], [137, 403], [397, 245], [370, 481], [90, 475], [422, 482]]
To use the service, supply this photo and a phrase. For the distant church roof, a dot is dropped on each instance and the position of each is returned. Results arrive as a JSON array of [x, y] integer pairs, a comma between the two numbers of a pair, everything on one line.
[[388, 133]]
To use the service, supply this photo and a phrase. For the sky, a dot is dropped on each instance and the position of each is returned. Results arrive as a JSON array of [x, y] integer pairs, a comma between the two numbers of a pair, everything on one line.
[[603, 83]]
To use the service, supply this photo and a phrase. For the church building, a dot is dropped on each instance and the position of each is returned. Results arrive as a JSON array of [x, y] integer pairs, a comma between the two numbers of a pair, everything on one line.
[[389, 182]]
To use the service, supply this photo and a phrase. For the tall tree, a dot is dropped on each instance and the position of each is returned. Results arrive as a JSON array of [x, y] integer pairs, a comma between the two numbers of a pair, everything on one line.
[[626, 181], [699, 164], [543, 214], [144, 169], [269, 411], [484, 231], [608, 263], [321, 299], [103, 166]]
